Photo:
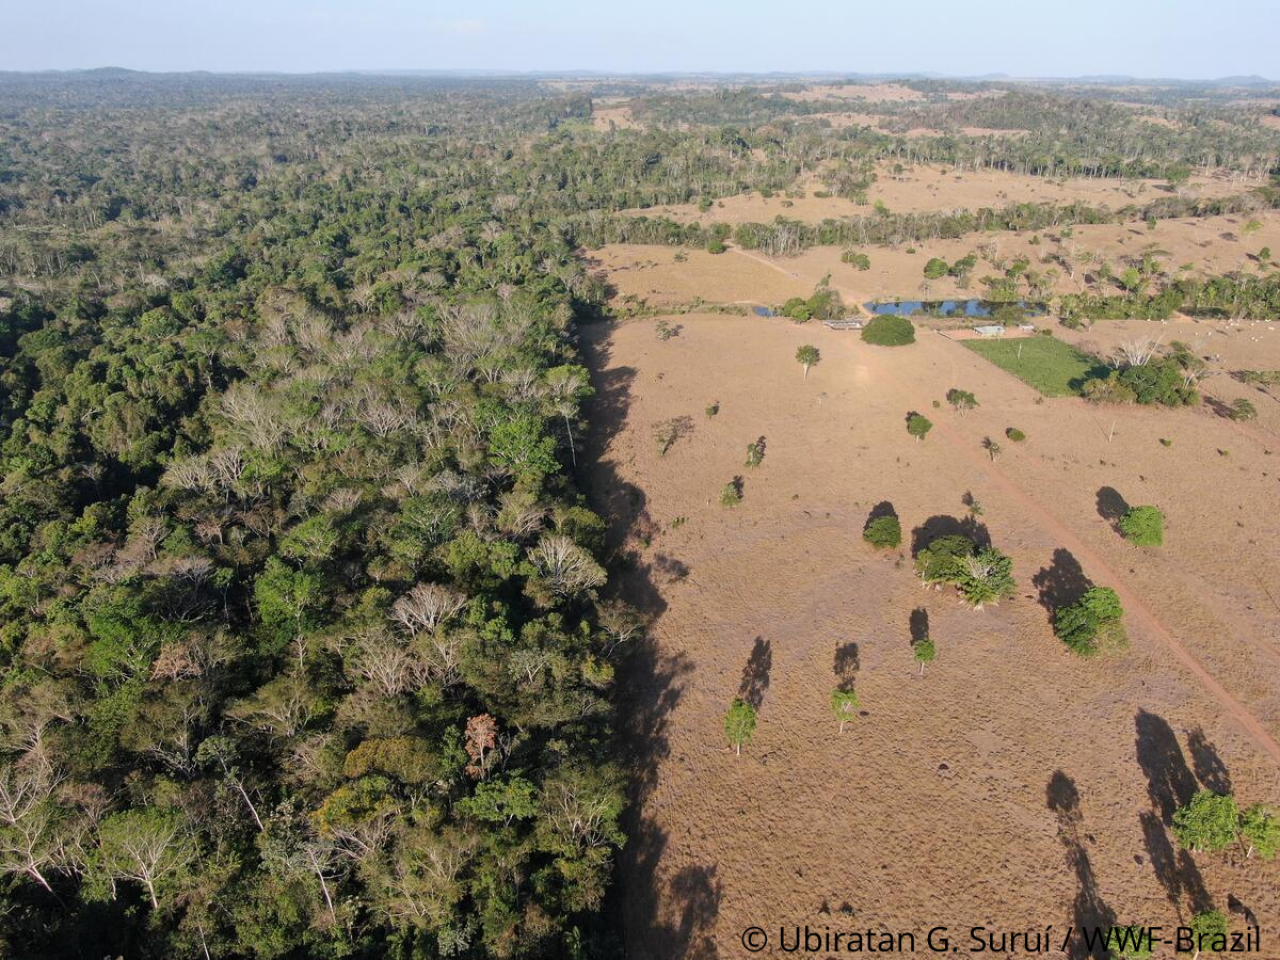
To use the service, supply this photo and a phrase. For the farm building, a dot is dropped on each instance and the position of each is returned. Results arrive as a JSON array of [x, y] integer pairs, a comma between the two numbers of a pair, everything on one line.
[[990, 330]]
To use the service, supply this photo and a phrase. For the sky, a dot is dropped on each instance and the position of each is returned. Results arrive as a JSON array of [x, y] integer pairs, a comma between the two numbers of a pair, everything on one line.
[[1193, 39]]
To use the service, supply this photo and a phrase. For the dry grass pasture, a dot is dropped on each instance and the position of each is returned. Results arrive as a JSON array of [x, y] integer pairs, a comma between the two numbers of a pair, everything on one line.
[[1013, 785]]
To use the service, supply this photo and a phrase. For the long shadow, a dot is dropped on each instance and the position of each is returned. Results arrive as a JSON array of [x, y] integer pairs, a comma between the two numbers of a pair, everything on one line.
[[1061, 583], [1176, 870], [1209, 767], [942, 525], [846, 665], [1111, 505], [882, 509], [755, 674], [652, 682], [919, 625], [1089, 910], [1170, 783]]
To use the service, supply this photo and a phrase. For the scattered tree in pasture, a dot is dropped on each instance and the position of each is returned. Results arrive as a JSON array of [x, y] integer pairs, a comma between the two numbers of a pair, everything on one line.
[[739, 724], [985, 578], [1209, 822], [1093, 624], [924, 651], [1143, 526], [807, 356], [755, 453], [936, 268], [1260, 830], [961, 401], [731, 493], [992, 447], [918, 425], [1016, 435], [844, 705]]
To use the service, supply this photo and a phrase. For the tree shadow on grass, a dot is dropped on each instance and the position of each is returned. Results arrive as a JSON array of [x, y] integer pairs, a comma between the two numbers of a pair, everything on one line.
[[755, 675], [1210, 769], [846, 665], [942, 525], [919, 625], [1170, 783], [1111, 505], [1088, 910], [1062, 583]]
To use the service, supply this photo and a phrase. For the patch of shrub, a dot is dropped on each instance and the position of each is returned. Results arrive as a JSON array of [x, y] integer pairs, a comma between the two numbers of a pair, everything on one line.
[[1016, 435], [981, 576], [1242, 410], [1143, 526], [889, 331], [883, 532]]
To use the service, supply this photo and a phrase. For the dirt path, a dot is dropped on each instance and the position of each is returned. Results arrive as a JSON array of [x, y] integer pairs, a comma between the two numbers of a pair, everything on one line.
[[1135, 608]]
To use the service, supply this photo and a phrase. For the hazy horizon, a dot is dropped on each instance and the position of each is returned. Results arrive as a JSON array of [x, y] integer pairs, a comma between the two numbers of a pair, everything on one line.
[[1092, 38]]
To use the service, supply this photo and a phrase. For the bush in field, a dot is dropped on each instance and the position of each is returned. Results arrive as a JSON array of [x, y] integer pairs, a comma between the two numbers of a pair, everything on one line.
[[1093, 624], [936, 269], [1242, 410], [1209, 822], [883, 532], [739, 724], [889, 332], [716, 246], [858, 260], [918, 426], [1016, 435], [1143, 526], [755, 453], [731, 493]]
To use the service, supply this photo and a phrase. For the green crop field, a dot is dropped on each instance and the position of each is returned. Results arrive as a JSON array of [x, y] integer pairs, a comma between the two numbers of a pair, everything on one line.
[[1054, 368]]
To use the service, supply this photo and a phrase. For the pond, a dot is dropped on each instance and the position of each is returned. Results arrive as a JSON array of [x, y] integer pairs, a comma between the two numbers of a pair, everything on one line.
[[949, 308]]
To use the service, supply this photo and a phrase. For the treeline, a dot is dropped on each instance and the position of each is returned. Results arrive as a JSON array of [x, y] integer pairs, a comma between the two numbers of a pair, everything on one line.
[[784, 237], [1232, 296], [301, 651]]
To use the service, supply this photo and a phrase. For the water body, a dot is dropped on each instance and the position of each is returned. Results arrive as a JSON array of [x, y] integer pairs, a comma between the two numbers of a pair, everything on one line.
[[764, 312], [949, 308]]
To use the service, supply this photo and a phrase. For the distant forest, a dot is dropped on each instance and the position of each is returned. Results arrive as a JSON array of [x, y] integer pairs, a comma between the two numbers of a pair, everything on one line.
[[306, 645]]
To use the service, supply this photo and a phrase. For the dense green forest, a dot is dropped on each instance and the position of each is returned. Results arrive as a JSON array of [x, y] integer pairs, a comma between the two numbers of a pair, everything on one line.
[[305, 645]]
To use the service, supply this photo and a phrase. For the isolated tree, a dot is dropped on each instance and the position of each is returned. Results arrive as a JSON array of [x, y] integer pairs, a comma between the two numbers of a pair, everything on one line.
[[739, 724], [1208, 932], [667, 432], [919, 426], [1260, 830], [1093, 624], [807, 356], [844, 704], [992, 447], [961, 401], [755, 453], [924, 652], [1209, 822], [731, 493], [889, 331], [1143, 526]]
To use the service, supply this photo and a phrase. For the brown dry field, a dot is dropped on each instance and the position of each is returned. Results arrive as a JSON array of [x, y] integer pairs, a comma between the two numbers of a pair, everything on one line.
[[652, 274], [923, 189], [1014, 785]]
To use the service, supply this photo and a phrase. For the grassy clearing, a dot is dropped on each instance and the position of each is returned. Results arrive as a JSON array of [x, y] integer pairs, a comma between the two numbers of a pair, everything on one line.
[[1054, 368]]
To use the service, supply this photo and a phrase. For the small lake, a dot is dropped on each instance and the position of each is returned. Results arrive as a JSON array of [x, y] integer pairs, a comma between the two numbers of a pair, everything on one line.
[[948, 308]]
